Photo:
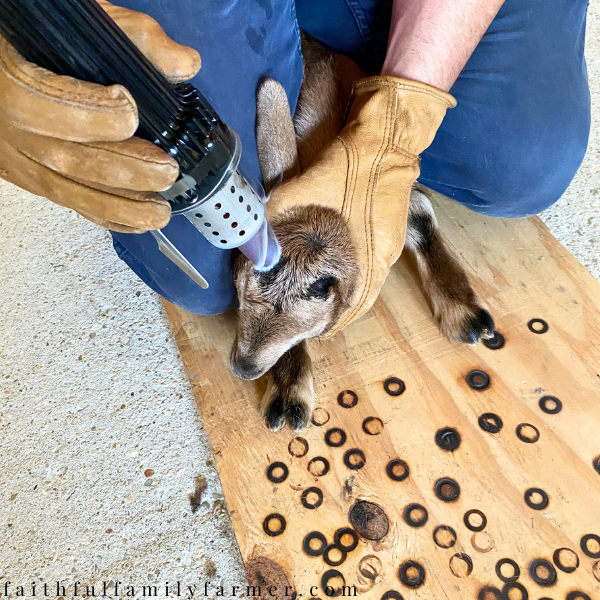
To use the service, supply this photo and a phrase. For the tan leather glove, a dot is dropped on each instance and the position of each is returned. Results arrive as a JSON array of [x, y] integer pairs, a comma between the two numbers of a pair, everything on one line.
[[367, 173], [71, 141]]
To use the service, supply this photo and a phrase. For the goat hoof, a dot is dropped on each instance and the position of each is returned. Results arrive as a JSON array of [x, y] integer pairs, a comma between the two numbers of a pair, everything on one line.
[[465, 323], [289, 396], [478, 325], [281, 405], [275, 414], [298, 413]]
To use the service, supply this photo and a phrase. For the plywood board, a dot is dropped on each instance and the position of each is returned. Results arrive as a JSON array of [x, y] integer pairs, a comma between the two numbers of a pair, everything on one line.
[[523, 273]]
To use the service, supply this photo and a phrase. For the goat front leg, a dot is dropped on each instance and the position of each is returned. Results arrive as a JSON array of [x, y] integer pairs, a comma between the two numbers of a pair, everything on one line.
[[457, 309], [290, 395]]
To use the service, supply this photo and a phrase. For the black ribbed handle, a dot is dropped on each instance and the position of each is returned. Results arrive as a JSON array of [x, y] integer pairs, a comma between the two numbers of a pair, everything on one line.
[[78, 38]]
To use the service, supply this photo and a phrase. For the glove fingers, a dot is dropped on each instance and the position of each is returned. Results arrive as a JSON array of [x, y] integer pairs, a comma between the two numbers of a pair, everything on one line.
[[133, 164], [109, 224], [176, 62], [37, 100], [139, 210]]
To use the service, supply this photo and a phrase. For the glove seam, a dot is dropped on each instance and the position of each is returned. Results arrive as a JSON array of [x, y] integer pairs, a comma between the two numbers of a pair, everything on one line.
[[12, 70], [414, 158], [114, 151], [392, 147], [371, 186], [373, 180], [109, 225], [348, 167], [151, 196], [352, 170], [404, 86], [87, 182]]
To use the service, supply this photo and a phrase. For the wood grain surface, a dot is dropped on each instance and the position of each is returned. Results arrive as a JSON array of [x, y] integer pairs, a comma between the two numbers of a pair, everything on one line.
[[522, 273]]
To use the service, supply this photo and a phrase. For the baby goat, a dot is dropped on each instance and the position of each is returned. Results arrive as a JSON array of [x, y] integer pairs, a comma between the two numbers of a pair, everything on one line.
[[306, 293]]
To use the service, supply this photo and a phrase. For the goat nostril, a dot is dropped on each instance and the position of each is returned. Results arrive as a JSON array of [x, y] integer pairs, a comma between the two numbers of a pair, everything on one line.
[[245, 367], [246, 364]]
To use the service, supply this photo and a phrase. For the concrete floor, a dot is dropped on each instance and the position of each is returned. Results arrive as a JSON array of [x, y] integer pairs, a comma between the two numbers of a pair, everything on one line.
[[100, 439]]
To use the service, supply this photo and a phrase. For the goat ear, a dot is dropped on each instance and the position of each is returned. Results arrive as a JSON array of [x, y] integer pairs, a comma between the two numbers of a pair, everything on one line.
[[275, 134]]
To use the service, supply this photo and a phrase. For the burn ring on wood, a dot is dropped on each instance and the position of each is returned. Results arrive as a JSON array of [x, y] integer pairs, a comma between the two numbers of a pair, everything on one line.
[[308, 538], [372, 425], [522, 428], [484, 593], [534, 322], [490, 422], [348, 459], [446, 531], [584, 545], [516, 570], [558, 561], [549, 579], [273, 467], [267, 524], [394, 386], [465, 561], [330, 561], [413, 582], [578, 596], [496, 342], [298, 447], [546, 400], [340, 533], [536, 505], [335, 432], [447, 438], [469, 525], [447, 489], [320, 417], [314, 462], [410, 520], [392, 595], [514, 586], [393, 466], [306, 493], [342, 399], [327, 577], [478, 380]]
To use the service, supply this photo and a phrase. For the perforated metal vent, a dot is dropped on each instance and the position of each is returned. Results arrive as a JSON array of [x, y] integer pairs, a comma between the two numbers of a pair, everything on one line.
[[230, 217]]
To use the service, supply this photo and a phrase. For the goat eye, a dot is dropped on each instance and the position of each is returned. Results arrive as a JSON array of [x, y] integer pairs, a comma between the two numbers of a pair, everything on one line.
[[320, 288]]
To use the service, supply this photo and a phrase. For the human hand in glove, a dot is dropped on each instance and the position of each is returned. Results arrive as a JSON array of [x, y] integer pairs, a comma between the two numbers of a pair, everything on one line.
[[71, 141], [367, 172]]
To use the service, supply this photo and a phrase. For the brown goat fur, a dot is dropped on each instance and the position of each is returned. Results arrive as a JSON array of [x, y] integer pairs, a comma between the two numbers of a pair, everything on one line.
[[302, 296], [306, 293]]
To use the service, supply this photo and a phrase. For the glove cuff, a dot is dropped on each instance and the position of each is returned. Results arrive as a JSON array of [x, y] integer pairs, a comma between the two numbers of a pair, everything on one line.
[[408, 85], [406, 114]]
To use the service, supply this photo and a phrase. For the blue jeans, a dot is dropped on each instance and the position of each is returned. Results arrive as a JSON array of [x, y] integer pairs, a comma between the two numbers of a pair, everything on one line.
[[509, 149]]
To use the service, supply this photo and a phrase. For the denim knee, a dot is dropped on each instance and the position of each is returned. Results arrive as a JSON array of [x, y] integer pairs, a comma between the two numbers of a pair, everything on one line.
[[521, 177], [536, 174]]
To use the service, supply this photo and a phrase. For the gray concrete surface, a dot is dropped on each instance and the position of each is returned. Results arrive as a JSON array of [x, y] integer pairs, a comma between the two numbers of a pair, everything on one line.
[[100, 440]]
